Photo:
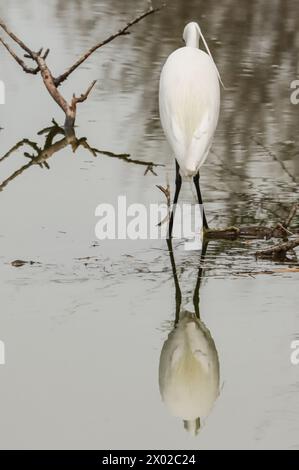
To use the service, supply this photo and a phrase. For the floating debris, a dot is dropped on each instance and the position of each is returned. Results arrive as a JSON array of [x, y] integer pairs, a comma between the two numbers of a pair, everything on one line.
[[17, 263]]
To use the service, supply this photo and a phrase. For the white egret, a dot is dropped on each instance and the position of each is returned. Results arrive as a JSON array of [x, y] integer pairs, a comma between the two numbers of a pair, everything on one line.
[[189, 101]]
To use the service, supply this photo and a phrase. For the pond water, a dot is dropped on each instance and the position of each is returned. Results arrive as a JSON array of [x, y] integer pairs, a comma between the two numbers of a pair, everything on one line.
[[85, 324]]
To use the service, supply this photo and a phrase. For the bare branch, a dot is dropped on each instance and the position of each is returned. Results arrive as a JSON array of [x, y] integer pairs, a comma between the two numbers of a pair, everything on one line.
[[278, 251], [28, 56], [85, 56], [83, 96], [166, 192], [46, 54], [26, 69], [17, 40], [50, 85]]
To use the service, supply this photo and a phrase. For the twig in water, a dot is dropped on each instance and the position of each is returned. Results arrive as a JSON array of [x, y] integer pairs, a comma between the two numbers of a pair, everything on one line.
[[279, 250], [166, 192]]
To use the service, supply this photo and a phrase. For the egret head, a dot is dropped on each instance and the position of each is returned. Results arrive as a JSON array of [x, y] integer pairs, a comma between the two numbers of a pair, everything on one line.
[[191, 34]]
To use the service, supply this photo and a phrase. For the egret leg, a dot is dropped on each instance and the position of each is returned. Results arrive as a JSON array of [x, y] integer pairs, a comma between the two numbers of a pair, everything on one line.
[[196, 183], [178, 184]]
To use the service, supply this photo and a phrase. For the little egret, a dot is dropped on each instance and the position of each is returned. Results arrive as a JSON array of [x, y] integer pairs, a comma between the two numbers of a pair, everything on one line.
[[189, 101]]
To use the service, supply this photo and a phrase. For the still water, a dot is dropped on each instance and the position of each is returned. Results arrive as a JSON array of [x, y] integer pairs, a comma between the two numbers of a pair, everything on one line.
[[84, 326]]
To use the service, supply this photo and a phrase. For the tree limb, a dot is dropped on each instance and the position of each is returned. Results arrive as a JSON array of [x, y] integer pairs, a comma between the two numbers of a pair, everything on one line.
[[52, 83], [83, 96], [61, 78], [279, 250], [26, 69], [17, 40]]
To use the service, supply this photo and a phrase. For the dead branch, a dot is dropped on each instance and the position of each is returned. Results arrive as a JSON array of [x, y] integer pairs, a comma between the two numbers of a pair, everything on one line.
[[17, 263], [257, 232], [51, 83], [16, 39], [72, 109], [280, 230], [278, 251], [26, 69], [166, 192], [90, 51], [288, 269], [83, 96]]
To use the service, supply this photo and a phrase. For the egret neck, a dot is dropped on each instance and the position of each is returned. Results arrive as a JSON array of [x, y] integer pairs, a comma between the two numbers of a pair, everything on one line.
[[191, 35]]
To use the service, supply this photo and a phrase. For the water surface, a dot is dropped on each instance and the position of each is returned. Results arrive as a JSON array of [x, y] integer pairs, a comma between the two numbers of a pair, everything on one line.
[[84, 326]]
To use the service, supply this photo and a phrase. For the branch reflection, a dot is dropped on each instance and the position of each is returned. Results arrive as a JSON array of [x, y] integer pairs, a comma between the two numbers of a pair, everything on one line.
[[41, 155]]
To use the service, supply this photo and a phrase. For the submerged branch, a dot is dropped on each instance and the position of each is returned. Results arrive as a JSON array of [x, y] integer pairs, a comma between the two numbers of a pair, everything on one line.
[[251, 231], [280, 230], [278, 251]]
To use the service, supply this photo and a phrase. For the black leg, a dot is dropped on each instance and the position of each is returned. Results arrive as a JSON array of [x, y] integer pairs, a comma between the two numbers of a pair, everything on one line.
[[199, 278], [196, 183], [178, 184], [178, 294]]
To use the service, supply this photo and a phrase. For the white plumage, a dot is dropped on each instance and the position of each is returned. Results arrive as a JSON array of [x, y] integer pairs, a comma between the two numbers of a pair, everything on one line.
[[189, 100]]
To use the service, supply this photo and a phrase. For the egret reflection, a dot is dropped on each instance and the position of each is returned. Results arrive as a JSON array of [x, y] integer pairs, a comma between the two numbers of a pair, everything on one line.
[[189, 364]]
